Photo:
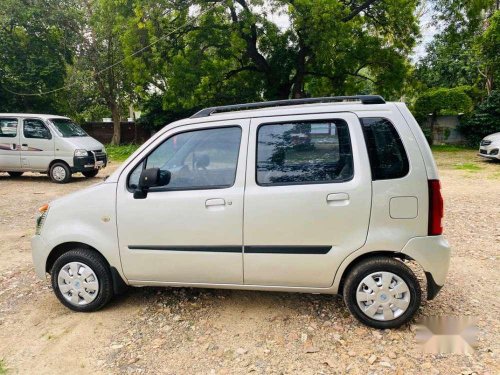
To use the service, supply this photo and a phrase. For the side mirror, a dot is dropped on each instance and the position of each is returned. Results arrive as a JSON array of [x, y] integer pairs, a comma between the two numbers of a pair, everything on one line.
[[151, 177]]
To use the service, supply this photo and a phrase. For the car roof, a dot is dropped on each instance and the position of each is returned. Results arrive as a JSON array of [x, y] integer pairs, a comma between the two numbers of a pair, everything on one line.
[[301, 109], [29, 115]]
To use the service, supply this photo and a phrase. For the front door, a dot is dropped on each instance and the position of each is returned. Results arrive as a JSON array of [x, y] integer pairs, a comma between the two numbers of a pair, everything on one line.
[[10, 149], [307, 198], [191, 230], [37, 145]]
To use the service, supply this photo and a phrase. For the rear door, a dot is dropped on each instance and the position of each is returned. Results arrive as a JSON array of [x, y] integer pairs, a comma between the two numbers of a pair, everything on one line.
[[37, 145], [307, 198], [10, 149]]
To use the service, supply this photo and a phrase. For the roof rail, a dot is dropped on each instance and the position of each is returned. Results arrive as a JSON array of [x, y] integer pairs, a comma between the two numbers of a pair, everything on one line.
[[365, 99]]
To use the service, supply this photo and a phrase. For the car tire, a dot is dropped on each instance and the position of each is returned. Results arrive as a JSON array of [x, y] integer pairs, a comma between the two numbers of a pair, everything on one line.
[[90, 174], [382, 292], [15, 174], [60, 173], [82, 281]]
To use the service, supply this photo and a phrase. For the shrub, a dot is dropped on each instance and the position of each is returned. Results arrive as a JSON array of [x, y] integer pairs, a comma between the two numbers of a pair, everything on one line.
[[443, 101], [484, 121]]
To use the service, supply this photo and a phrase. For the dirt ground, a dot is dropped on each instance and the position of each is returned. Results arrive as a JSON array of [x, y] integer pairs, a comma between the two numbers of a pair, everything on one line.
[[187, 331]]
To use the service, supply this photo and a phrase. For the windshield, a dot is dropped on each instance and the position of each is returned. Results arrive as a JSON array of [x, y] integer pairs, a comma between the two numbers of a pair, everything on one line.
[[68, 128]]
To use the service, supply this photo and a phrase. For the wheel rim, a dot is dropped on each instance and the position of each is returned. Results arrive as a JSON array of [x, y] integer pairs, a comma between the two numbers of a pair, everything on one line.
[[383, 296], [78, 283], [59, 173]]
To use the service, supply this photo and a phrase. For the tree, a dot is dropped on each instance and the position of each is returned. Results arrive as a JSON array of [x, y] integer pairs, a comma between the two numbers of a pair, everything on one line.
[[464, 53], [101, 54], [37, 40], [230, 51], [489, 48], [484, 121]]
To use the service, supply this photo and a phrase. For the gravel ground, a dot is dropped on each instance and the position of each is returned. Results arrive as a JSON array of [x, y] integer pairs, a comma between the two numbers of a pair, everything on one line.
[[179, 331]]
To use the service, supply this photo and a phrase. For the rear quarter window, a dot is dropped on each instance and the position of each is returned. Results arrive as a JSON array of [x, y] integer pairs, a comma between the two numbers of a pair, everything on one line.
[[388, 158]]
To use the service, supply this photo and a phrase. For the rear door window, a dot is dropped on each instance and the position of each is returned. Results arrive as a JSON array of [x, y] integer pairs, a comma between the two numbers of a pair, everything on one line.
[[388, 159], [309, 152]]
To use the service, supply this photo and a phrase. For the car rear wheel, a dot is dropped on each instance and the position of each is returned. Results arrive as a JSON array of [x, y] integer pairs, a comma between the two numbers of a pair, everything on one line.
[[90, 174], [15, 174], [60, 173], [382, 293], [82, 280]]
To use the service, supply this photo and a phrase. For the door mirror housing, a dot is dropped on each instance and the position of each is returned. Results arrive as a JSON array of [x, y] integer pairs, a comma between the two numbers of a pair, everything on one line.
[[151, 177]]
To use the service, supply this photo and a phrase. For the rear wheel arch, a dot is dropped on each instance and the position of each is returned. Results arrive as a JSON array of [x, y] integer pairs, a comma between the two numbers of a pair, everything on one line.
[[363, 257]]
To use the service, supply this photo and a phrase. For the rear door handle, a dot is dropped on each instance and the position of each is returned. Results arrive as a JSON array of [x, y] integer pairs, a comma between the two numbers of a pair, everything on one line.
[[337, 199], [25, 145], [215, 202]]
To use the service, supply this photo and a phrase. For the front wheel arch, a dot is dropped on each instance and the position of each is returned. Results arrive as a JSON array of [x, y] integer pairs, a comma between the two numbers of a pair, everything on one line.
[[119, 285]]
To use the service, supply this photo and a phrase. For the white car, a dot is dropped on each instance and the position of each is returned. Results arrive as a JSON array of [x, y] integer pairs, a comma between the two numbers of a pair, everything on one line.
[[489, 147], [324, 195], [48, 144]]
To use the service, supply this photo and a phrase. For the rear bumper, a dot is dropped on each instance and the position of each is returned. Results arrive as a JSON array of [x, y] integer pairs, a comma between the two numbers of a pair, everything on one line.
[[433, 254], [89, 163]]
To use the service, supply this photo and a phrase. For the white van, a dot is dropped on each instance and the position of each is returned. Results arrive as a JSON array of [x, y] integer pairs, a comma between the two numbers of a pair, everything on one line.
[[325, 195], [48, 144]]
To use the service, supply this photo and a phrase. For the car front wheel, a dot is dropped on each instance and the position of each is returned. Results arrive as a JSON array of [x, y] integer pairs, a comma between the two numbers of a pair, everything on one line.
[[60, 173], [382, 293], [81, 280]]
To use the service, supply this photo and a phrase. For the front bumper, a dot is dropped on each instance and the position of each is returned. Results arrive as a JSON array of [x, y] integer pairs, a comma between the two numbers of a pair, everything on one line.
[[490, 152], [39, 252], [89, 163], [433, 253]]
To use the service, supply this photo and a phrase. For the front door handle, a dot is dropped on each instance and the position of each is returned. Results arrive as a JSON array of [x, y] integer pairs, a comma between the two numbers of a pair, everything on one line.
[[215, 202], [337, 199]]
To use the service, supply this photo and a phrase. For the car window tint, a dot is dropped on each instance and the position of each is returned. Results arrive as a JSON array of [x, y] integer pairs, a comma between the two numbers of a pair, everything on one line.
[[304, 152], [387, 154], [8, 127], [36, 129], [196, 159]]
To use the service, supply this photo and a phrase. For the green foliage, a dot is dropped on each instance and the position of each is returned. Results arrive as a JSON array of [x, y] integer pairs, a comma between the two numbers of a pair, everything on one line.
[[466, 50], [484, 121], [449, 148], [468, 167], [450, 61], [234, 53], [120, 153], [3, 368], [489, 48], [37, 39], [443, 101]]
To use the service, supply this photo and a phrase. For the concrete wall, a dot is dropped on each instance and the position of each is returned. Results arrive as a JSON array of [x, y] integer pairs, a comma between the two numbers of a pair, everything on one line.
[[445, 130]]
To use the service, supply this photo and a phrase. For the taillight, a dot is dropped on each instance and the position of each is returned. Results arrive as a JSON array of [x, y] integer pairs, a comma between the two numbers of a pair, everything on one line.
[[436, 208]]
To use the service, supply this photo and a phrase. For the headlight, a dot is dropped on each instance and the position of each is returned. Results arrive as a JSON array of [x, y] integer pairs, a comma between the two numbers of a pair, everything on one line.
[[80, 153], [40, 220]]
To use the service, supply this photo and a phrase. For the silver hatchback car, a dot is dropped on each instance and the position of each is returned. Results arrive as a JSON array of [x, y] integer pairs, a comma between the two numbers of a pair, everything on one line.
[[325, 195]]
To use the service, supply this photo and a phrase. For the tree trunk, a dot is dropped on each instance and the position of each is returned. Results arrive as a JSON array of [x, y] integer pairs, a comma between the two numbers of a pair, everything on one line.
[[115, 114]]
